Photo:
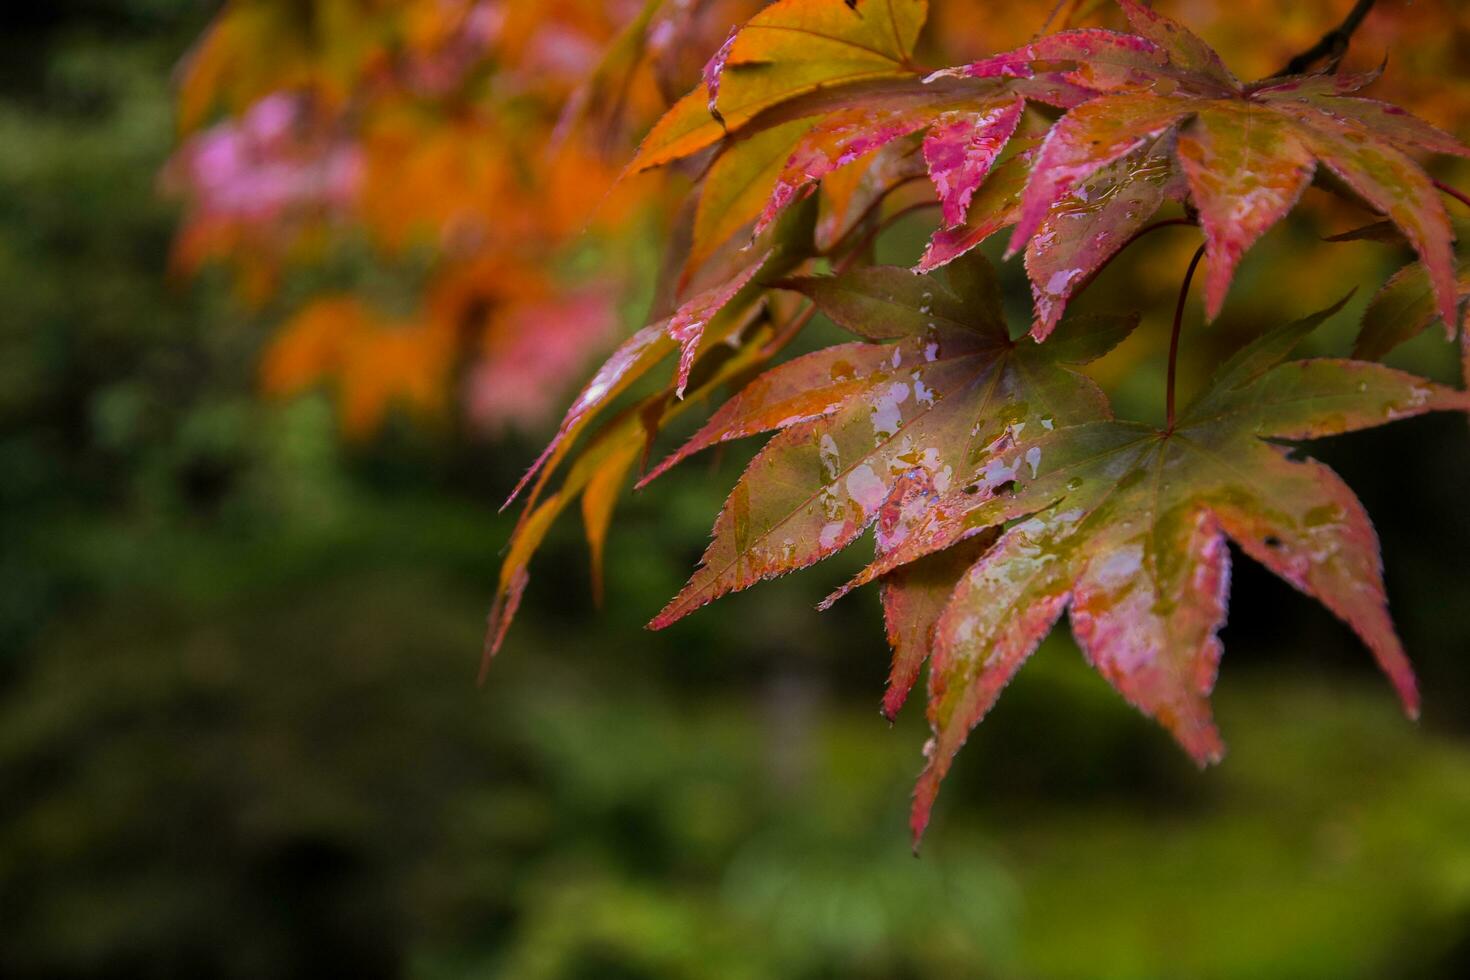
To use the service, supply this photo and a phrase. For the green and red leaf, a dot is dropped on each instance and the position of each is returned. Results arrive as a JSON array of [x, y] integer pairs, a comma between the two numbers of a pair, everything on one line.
[[1081, 232], [952, 385], [962, 147], [1246, 170], [1246, 151], [790, 49], [1126, 525]]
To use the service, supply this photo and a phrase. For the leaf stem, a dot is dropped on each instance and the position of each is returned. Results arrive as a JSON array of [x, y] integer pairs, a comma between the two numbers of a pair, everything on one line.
[[1199, 253], [786, 333], [868, 212], [1454, 192], [862, 244], [1333, 44]]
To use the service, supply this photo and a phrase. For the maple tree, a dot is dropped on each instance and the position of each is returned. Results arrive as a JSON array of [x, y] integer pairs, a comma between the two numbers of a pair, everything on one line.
[[984, 454]]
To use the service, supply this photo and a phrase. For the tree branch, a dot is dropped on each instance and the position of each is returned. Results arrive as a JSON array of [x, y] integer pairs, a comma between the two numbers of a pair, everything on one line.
[[1334, 43]]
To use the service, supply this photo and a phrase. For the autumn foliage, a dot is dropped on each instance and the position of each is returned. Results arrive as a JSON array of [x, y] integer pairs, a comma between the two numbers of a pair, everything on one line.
[[984, 455], [470, 145]]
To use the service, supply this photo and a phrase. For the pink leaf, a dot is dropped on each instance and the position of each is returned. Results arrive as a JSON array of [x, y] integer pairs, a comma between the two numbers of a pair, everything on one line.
[[1390, 182], [714, 70], [1184, 50], [836, 141], [799, 390], [686, 327], [1246, 170], [1084, 230], [1104, 60], [1085, 140], [960, 149]]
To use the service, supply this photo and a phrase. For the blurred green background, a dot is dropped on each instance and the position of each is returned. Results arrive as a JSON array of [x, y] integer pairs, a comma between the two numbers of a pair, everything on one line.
[[240, 737]]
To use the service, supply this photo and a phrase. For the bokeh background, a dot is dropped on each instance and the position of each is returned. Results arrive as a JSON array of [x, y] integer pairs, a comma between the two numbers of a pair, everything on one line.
[[239, 729]]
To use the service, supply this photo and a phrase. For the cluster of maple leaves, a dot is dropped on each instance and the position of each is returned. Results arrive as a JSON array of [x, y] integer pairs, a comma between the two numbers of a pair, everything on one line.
[[477, 138], [1000, 488]]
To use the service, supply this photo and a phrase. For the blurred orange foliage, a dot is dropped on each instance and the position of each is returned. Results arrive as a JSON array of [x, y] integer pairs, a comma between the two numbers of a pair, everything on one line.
[[486, 135]]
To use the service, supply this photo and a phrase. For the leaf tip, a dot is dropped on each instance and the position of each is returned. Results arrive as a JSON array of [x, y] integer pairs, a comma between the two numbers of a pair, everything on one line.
[[1408, 692], [924, 794], [892, 702], [1204, 745], [499, 619], [676, 610]]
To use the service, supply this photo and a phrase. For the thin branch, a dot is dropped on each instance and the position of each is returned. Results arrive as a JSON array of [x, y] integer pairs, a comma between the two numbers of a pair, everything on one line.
[[1454, 192], [790, 330], [1333, 45], [841, 244], [862, 244], [1199, 253]]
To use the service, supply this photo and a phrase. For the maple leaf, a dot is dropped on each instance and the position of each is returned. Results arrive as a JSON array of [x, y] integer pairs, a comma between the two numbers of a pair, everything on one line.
[[1404, 308], [851, 195], [778, 160], [791, 49], [867, 431], [1247, 151], [1080, 233], [1126, 525], [736, 186]]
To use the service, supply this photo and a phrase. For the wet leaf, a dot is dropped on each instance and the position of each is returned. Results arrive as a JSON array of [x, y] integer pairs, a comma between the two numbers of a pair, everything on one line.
[[597, 472], [1181, 47], [1247, 151], [996, 205], [686, 328], [930, 409], [850, 195], [630, 361], [961, 148], [1086, 228], [595, 476], [1097, 60], [914, 597], [836, 141], [1126, 526], [1246, 171], [965, 134], [1087, 139]]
